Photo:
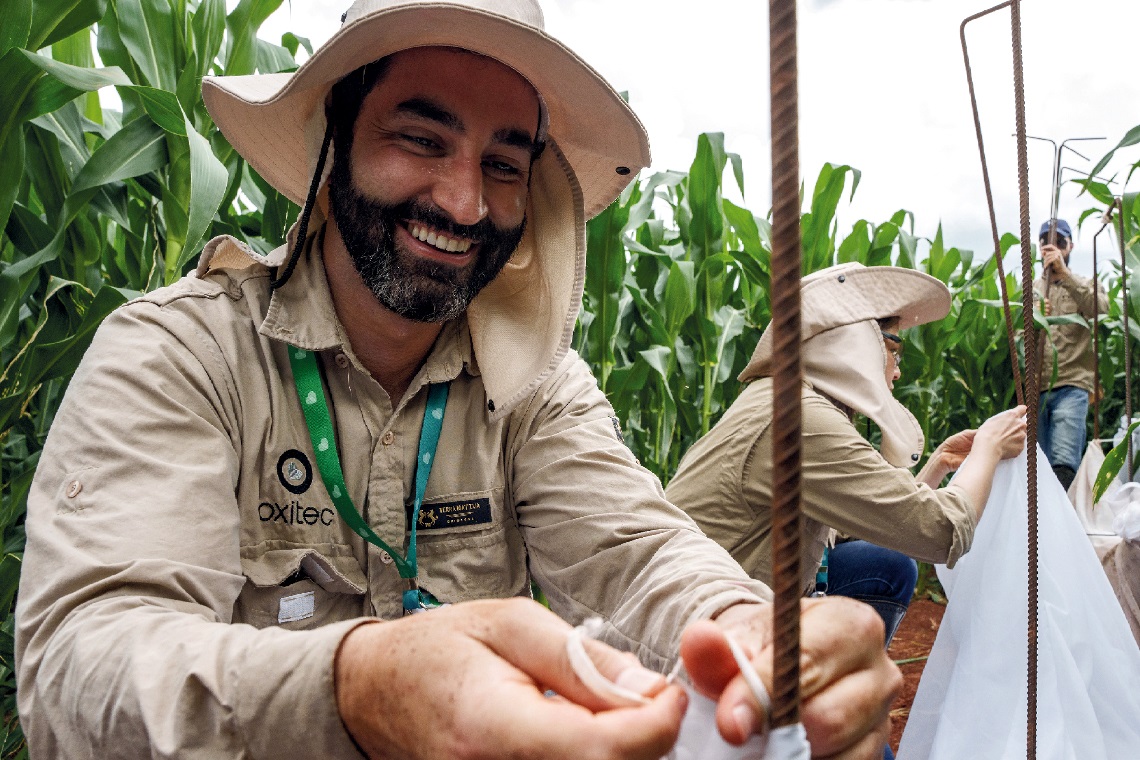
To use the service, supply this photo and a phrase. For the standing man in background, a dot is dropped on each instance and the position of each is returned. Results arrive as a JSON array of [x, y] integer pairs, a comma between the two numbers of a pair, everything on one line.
[[1067, 362]]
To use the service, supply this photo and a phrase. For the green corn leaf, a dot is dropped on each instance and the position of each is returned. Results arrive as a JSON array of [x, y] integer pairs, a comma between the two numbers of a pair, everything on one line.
[[1132, 137], [605, 271], [64, 83], [209, 28], [9, 579], [208, 181], [273, 59], [147, 30], [11, 290], [706, 230], [79, 77], [293, 43], [856, 245], [163, 108], [17, 15], [680, 295], [908, 249], [52, 20], [66, 125], [139, 147], [11, 169], [1112, 464], [243, 24]]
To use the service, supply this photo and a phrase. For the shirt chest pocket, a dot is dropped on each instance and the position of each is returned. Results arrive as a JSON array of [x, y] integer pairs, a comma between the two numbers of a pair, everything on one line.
[[469, 547], [300, 588]]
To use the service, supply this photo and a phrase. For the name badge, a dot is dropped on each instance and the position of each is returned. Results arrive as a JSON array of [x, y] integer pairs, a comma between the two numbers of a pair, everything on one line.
[[455, 514]]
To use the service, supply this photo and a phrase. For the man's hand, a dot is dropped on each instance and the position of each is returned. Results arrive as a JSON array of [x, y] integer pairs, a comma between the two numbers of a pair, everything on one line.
[[467, 681], [847, 681], [1055, 259]]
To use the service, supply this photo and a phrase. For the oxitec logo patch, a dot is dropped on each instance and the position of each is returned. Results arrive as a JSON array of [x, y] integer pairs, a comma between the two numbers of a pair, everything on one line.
[[294, 513], [294, 471], [296, 475]]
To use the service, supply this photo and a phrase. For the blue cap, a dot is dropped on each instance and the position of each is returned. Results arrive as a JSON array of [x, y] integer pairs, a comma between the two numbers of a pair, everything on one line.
[[1062, 230]]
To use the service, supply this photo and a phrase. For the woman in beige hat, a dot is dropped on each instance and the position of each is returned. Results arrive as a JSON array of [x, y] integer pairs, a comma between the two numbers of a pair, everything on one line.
[[851, 317]]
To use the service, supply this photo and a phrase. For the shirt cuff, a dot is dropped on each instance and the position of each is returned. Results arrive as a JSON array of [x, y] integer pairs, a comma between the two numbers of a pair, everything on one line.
[[287, 706]]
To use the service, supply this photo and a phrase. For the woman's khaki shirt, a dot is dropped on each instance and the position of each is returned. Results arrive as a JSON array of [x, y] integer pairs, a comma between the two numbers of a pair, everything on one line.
[[725, 484]]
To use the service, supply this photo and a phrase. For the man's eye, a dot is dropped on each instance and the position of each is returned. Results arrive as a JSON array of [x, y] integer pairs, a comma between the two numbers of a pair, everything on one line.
[[423, 142], [502, 169]]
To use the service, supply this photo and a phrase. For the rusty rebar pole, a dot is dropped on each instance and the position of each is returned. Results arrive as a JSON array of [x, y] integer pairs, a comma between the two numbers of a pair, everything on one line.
[[1032, 372], [1018, 385], [787, 373], [1127, 338], [1096, 337]]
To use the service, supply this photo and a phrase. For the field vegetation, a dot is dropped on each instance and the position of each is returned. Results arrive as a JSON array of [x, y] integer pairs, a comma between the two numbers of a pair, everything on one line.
[[100, 204]]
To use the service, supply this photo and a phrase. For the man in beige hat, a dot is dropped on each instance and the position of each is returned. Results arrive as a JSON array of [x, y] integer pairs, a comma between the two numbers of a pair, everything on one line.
[[851, 317], [261, 474]]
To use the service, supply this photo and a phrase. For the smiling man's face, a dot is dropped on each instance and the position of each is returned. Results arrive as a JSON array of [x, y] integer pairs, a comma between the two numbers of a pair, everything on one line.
[[429, 192]]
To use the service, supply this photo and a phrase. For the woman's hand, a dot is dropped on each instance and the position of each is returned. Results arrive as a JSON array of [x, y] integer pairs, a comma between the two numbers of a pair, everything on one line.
[[1004, 433], [955, 449]]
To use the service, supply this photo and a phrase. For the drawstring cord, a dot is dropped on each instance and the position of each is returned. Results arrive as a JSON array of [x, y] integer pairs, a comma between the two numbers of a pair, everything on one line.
[[310, 199]]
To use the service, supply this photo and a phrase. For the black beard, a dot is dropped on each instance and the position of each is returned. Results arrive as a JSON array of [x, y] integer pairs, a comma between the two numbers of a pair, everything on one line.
[[414, 288]]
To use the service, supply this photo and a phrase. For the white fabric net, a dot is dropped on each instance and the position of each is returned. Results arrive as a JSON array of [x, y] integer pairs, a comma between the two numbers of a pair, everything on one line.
[[971, 702]]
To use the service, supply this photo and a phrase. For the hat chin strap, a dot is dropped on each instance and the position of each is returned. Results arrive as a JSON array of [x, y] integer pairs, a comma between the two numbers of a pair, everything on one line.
[[310, 200], [848, 364]]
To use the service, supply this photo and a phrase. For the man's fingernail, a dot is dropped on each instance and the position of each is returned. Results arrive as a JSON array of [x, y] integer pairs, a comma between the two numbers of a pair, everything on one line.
[[745, 719], [639, 680]]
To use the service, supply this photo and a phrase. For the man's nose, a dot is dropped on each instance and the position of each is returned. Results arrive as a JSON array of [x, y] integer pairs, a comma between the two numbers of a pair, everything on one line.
[[458, 190]]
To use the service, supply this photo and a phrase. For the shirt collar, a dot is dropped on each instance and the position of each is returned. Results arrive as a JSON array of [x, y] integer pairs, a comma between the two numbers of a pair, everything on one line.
[[301, 313]]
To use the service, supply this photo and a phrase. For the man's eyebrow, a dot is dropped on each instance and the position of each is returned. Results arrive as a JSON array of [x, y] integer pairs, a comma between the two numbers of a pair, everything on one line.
[[423, 108], [515, 138]]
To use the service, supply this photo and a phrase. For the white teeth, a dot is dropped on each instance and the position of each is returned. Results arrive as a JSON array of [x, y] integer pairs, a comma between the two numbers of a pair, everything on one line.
[[439, 240]]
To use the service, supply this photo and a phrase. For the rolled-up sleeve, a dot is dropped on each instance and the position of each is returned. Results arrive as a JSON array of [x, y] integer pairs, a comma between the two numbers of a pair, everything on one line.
[[124, 645], [601, 538]]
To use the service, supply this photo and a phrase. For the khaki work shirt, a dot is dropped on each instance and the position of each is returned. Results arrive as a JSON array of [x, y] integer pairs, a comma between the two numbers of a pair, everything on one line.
[[725, 484], [188, 580], [1069, 347]]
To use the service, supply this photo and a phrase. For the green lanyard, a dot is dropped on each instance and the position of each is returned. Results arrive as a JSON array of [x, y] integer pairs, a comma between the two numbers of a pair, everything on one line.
[[307, 378]]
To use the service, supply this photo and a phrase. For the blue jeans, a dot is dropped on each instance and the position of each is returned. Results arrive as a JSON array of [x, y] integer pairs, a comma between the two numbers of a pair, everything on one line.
[[1061, 425], [883, 578]]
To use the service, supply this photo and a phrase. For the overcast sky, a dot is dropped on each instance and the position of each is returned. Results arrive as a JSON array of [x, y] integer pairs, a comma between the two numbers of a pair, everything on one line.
[[882, 88]]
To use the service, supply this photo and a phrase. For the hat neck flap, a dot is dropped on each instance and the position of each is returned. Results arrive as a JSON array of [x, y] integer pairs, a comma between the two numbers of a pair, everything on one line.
[[849, 364], [522, 323]]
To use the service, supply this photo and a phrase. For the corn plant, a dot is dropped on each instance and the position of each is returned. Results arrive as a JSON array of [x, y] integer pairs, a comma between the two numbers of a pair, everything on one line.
[[98, 204]]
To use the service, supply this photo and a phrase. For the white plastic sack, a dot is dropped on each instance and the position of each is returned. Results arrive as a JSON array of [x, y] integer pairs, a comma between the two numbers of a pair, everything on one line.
[[1124, 503], [1095, 517], [699, 738], [971, 702]]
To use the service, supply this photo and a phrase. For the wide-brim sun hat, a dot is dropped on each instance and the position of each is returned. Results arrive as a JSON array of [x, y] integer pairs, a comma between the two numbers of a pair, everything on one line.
[[848, 293], [276, 121], [843, 354]]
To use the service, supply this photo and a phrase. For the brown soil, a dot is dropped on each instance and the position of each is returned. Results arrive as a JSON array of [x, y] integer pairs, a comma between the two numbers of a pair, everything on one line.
[[913, 639]]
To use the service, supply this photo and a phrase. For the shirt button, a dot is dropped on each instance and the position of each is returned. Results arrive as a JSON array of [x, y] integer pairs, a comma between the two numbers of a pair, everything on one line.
[[342, 361], [73, 489], [388, 438], [386, 558]]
